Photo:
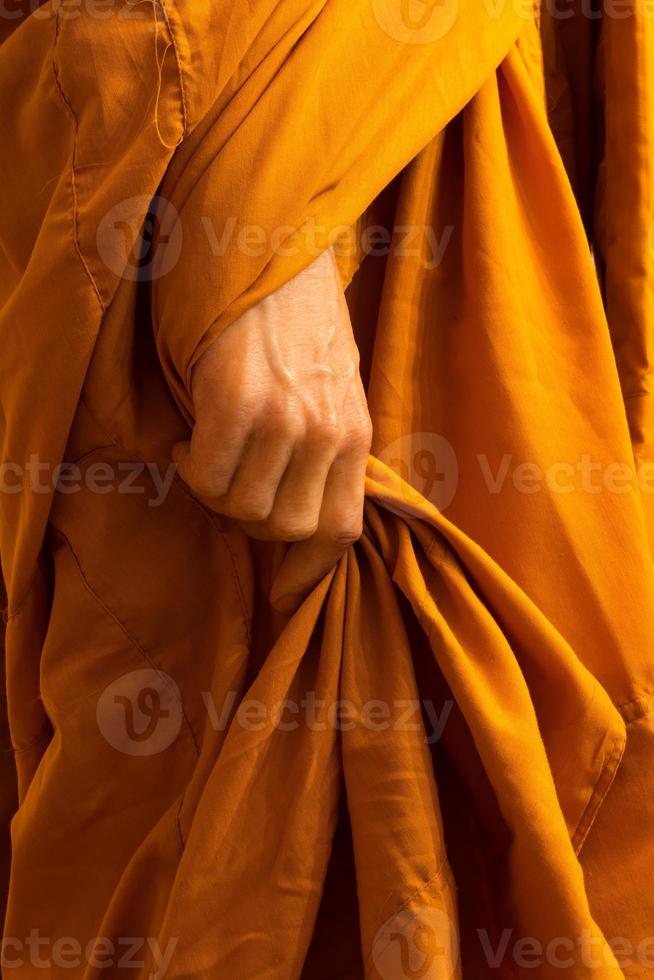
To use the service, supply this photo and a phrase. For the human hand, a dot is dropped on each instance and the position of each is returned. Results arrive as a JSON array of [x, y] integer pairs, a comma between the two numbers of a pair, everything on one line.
[[282, 430]]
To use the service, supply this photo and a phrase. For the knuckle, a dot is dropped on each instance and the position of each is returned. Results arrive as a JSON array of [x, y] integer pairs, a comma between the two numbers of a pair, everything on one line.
[[231, 419], [274, 410], [205, 488], [347, 537], [206, 481], [280, 420], [324, 433], [218, 477], [359, 436], [292, 529], [347, 532], [249, 509]]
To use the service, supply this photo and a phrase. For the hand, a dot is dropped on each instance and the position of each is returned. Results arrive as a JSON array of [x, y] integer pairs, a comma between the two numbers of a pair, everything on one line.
[[282, 430]]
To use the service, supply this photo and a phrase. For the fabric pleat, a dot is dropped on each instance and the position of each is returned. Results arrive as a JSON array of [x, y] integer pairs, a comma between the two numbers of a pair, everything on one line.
[[445, 752]]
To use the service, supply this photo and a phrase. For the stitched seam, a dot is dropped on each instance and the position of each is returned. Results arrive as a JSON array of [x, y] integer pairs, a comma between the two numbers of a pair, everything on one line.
[[237, 581], [181, 843], [604, 780], [182, 87], [642, 701], [208, 516], [416, 893], [92, 452], [132, 639], [600, 790], [8, 615], [73, 181], [646, 696]]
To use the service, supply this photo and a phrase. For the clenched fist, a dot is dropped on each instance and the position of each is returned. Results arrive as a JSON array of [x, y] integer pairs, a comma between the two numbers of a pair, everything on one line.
[[282, 431]]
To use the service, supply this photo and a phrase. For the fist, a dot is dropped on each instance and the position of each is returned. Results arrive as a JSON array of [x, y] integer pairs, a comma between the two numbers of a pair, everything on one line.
[[282, 430]]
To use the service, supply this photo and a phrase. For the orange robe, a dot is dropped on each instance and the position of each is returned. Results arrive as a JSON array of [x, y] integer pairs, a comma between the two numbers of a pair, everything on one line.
[[440, 766]]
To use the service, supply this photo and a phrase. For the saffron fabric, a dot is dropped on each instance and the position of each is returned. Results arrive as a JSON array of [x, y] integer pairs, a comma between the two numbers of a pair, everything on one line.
[[514, 598]]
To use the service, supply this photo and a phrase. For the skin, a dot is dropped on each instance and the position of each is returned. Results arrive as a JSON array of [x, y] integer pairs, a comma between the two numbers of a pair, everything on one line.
[[282, 431]]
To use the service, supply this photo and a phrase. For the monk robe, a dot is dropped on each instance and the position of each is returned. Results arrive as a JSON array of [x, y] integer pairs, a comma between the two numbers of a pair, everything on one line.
[[440, 764], [601, 108]]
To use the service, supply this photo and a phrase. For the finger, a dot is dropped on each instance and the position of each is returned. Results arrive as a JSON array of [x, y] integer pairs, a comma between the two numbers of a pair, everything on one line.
[[209, 463], [340, 525], [254, 485], [296, 510]]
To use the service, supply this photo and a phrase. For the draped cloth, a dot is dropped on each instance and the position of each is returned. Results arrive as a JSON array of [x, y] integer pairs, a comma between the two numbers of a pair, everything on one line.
[[440, 764]]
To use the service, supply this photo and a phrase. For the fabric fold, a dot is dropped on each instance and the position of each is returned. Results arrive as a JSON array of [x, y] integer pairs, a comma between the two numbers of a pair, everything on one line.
[[503, 587], [279, 203], [339, 690]]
